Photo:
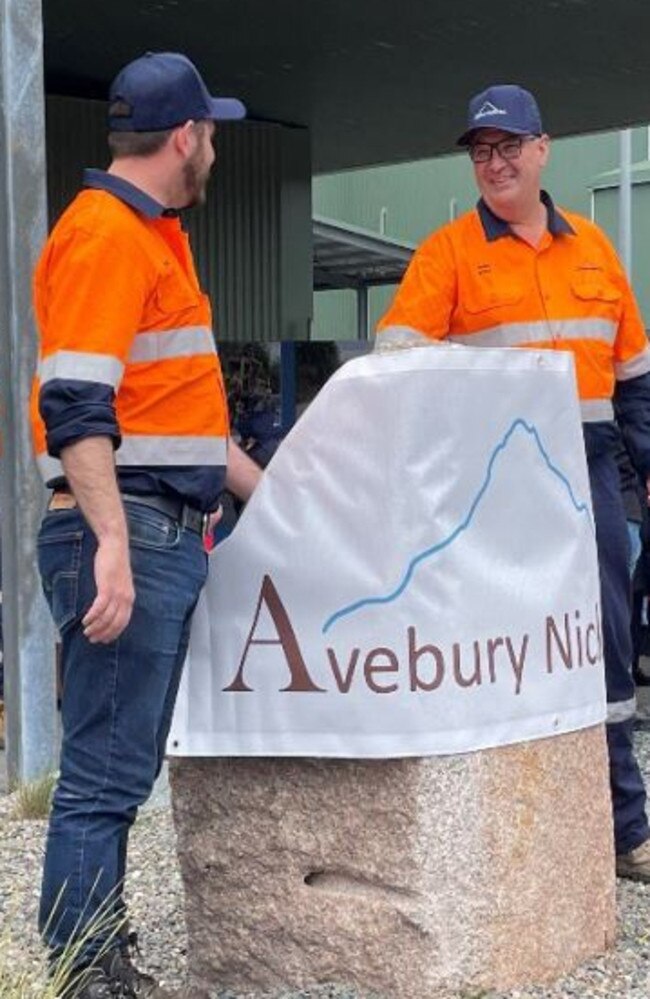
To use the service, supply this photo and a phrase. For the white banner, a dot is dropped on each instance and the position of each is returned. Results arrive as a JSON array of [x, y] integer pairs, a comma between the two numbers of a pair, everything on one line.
[[415, 575]]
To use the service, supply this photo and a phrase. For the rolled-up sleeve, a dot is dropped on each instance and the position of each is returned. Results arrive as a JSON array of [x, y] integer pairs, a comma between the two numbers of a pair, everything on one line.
[[89, 295]]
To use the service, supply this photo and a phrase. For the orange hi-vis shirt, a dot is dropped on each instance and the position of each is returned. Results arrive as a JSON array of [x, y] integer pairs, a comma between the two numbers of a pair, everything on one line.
[[127, 348], [474, 282]]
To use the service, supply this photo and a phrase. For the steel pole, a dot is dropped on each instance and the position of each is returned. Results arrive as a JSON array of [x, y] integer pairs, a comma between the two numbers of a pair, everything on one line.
[[362, 313], [31, 734], [625, 200]]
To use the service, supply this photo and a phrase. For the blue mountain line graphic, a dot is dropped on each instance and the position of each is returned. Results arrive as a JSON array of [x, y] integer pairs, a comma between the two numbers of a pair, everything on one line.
[[518, 424]]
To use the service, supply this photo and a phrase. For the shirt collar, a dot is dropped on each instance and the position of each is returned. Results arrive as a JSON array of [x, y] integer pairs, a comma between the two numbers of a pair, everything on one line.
[[495, 228], [128, 193]]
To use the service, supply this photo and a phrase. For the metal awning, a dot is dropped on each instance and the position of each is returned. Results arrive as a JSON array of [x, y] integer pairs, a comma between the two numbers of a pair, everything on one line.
[[346, 256], [375, 81], [640, 174]]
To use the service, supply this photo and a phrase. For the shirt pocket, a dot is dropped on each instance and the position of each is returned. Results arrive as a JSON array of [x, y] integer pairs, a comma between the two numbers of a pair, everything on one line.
[[595, 285], [485, 295]]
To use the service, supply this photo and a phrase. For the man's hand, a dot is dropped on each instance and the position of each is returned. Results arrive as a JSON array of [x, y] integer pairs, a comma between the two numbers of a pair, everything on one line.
[[110, 611], [214, 518]]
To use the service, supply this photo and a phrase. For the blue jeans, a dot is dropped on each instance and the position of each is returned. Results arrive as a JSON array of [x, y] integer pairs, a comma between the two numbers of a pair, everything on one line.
[[628, 790], [117, 704]]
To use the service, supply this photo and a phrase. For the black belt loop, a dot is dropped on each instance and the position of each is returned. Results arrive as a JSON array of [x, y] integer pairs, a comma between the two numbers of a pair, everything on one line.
[[188, 517]]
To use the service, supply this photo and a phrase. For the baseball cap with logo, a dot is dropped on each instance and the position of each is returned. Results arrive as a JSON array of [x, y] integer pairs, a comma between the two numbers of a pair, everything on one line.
[[505, 106], [161, 90]]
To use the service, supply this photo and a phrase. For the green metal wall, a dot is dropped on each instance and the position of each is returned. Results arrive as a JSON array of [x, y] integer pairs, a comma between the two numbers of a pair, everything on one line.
[[252, 239], [606, 202], [410, 200]]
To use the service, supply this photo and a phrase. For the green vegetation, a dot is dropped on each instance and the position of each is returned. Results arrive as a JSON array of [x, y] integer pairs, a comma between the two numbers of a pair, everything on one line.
[[26, 976], [34, 800]]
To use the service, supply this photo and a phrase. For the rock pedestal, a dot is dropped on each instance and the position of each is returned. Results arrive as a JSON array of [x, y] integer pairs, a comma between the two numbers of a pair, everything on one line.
[[407, 878]]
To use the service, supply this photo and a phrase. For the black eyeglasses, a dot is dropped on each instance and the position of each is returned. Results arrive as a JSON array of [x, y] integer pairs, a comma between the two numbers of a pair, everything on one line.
[[508, 149]]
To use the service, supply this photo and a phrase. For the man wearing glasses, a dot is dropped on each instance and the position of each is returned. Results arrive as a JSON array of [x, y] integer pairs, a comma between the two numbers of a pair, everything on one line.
[[516, 272]]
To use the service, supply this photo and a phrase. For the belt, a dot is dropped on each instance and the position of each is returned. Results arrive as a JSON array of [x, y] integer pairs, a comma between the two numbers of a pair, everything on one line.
[[187, 516]]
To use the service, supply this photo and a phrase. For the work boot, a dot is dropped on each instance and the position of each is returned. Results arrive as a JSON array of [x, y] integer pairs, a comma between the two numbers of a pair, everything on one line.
[[133, 981], [129, 948], [92, 982], [114, 976], [635, 865]]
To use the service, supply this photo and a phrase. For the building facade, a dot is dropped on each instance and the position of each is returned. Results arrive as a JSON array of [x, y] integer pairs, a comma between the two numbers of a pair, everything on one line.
[[408, 201]]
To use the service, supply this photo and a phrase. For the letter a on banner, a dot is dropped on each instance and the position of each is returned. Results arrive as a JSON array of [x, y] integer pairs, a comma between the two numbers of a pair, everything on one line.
[[300, 679]]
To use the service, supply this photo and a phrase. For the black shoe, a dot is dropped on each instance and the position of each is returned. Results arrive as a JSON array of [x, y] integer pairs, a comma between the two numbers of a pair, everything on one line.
[[114, 976], [139, 983], [89, 983]]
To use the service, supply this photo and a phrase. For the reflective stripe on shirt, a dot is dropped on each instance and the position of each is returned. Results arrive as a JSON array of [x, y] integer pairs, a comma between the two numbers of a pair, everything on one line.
[[163, 345], [49, 467], [635, 366], [146, 450], [596, 410], [540, 331], [620, 711], [76, 365], [392, 337]]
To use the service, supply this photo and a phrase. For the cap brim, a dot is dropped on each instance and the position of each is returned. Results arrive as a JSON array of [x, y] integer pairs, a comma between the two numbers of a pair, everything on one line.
[[227, 109], [466, 137]]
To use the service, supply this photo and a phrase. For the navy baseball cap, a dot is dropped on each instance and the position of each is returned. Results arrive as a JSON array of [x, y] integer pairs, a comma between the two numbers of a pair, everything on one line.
[[161, 90], [504, 106]]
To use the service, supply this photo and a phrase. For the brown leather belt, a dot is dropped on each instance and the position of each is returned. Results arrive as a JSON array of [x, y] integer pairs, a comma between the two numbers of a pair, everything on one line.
[[187, 516]]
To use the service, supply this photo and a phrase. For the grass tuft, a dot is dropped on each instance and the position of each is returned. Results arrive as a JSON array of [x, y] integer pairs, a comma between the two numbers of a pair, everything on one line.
[[33, 800], [27, 976]]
